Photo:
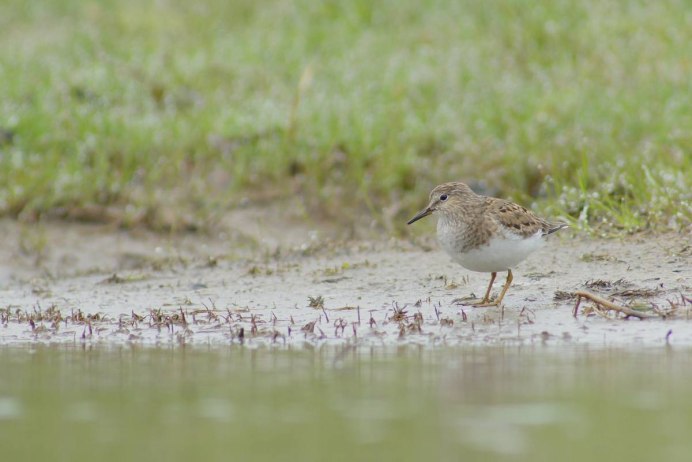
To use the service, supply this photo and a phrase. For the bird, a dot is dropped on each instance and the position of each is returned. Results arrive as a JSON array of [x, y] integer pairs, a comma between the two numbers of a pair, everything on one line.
[[485, 234]]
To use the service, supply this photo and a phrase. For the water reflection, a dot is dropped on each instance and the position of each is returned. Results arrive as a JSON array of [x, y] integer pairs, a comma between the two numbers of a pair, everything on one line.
[[405, 403], [10, 408]]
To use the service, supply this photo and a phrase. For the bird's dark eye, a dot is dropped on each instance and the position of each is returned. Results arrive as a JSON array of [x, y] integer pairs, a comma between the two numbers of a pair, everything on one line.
[[443, 197]]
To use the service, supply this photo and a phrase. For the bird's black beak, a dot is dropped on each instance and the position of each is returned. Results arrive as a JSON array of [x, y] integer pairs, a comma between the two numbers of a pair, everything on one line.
[[422, 214]]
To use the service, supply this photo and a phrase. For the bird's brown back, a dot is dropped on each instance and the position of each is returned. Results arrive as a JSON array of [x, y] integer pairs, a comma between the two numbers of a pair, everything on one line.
[[517, 219]]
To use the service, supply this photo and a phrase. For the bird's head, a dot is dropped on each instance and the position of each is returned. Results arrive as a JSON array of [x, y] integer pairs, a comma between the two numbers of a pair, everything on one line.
[[445, 199]]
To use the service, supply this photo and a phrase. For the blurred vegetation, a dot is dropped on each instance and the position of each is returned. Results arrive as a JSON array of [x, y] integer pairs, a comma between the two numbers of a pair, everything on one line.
[[164, 113]]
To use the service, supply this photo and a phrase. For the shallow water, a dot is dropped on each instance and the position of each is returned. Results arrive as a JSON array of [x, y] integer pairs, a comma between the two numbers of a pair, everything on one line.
[[408, 403]]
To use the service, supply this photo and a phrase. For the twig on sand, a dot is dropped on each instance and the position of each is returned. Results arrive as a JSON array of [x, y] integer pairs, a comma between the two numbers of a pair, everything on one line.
[[608, 305]]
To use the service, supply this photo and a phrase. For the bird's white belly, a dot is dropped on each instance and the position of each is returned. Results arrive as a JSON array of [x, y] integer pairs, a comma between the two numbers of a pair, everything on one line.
[[499, 254]]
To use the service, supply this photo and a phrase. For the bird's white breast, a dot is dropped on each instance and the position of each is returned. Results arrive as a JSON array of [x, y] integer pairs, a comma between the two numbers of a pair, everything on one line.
[[502, 252]]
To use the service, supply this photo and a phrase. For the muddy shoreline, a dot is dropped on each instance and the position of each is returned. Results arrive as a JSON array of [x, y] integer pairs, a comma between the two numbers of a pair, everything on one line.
[[304, 286]]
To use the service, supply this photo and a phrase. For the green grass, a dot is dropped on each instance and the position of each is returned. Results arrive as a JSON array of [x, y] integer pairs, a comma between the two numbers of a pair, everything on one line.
[[163, 112]]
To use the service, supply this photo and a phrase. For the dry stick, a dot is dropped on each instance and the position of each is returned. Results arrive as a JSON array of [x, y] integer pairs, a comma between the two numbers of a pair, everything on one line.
[[608, 304]]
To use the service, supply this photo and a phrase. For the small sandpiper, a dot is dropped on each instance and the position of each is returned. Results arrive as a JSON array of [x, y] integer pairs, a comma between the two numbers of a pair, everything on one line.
[[485, 234]]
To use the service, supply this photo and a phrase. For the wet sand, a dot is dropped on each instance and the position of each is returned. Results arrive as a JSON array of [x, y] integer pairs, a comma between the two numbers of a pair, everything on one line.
[[262, 283]]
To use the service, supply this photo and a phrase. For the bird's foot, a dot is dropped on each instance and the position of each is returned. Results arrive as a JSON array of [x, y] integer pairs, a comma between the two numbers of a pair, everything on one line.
[[474, 302]]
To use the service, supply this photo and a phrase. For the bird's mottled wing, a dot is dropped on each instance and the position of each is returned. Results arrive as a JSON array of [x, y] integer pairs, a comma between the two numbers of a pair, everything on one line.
[[516, 219]]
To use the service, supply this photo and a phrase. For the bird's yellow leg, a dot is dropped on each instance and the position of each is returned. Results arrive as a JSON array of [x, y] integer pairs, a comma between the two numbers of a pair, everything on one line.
[[486, 299], [498, 300]]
